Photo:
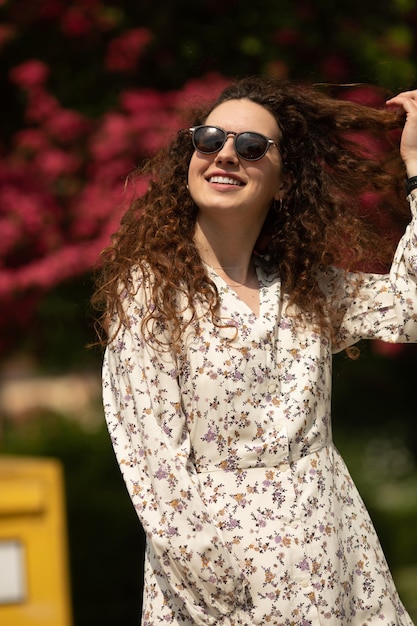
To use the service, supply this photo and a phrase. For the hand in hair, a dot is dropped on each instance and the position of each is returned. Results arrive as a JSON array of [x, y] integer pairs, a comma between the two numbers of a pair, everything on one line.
[[408, 148]]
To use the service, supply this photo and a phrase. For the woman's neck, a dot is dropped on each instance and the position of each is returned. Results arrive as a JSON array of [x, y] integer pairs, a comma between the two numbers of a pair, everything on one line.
[[226, 252]]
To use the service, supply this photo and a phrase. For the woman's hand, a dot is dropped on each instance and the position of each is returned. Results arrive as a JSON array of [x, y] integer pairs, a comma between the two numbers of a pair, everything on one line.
[[408, 147]]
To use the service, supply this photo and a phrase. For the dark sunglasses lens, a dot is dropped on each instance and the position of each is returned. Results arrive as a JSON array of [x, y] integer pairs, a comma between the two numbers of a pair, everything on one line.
[[208, 139], [251, 146]]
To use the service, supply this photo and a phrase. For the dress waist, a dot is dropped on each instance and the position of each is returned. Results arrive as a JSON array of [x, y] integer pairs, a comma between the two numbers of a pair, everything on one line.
[[259, 459]]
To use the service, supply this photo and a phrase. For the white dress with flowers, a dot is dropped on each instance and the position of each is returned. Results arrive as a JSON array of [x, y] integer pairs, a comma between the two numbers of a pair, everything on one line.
[[250, 513]]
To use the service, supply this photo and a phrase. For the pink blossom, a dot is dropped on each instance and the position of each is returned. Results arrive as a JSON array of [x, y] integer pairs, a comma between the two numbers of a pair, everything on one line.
[[41, 106], [102, 172], [150, 131], [135, 187], [33, 215], [55, 162], [94, 206], [124, 51], [22, 206], [49, 270], [76, 23], [7, 284], [142, 101], [367, 143], [197, 92], [153, 138], [367, 95], [30, 140], [29, 208], [112, 138], [370, 199], [66, 125], [153, 119], [67, 261], [30, 74], [59, 207], [10, 235]]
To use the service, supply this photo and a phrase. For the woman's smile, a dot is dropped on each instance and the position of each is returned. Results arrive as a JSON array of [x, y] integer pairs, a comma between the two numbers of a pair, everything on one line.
[[223, 179]]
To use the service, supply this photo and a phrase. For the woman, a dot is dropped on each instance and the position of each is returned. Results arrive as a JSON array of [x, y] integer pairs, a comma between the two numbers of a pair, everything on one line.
[[227, 299]]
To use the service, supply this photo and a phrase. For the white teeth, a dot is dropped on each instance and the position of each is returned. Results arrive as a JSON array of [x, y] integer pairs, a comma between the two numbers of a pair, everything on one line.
[[224, 179]]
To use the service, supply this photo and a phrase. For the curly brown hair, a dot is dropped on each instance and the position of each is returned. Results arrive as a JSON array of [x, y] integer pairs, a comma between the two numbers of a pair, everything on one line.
[[319, 223]]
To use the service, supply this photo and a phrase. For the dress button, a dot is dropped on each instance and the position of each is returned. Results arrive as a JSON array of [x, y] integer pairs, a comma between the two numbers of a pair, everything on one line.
[[304, 583], [272, 388], [284, 467]]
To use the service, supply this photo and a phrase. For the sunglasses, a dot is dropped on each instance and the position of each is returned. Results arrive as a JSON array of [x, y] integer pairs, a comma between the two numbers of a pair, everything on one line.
[[248, 145]]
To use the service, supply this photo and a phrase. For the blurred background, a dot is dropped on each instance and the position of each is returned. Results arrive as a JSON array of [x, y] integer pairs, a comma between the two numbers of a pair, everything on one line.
[[89, 88]]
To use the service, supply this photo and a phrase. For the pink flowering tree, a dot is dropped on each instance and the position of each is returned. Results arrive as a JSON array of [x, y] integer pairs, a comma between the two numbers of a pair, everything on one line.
[[62, 187], [90, 88]]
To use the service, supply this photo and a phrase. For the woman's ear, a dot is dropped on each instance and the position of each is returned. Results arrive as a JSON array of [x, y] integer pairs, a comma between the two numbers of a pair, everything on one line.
[[284, 188]]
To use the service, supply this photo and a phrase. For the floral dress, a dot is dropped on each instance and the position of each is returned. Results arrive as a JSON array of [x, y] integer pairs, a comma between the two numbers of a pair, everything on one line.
[[250, 514]]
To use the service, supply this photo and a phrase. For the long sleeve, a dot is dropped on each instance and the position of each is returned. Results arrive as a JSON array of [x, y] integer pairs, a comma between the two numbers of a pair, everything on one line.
[[376, 306], [142, 403]]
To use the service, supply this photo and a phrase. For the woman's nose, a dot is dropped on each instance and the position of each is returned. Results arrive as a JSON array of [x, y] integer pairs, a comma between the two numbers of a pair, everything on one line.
[[227, 152]]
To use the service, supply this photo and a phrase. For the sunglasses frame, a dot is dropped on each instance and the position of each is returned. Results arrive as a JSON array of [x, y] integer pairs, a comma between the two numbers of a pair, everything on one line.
[[235, 135]]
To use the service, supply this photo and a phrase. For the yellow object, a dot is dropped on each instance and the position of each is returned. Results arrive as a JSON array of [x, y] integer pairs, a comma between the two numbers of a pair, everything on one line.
[[34, 581]]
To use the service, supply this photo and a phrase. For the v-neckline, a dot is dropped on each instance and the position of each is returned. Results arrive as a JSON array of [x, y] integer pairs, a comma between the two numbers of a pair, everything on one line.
[[230, 289]]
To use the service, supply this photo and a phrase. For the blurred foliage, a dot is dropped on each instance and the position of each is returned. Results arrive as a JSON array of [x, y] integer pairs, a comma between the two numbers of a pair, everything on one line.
[[347, 41], [60, 330], [374, 429]]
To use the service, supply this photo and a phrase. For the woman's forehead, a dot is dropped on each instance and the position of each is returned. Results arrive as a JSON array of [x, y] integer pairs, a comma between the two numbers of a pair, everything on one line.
[[241, 115]]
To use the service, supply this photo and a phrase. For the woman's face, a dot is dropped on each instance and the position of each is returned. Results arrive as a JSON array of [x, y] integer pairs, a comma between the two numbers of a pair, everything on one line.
[[225, 182]]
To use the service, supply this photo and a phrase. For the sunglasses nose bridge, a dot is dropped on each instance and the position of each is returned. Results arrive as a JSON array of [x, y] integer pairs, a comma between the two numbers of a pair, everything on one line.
[[228, 134]]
